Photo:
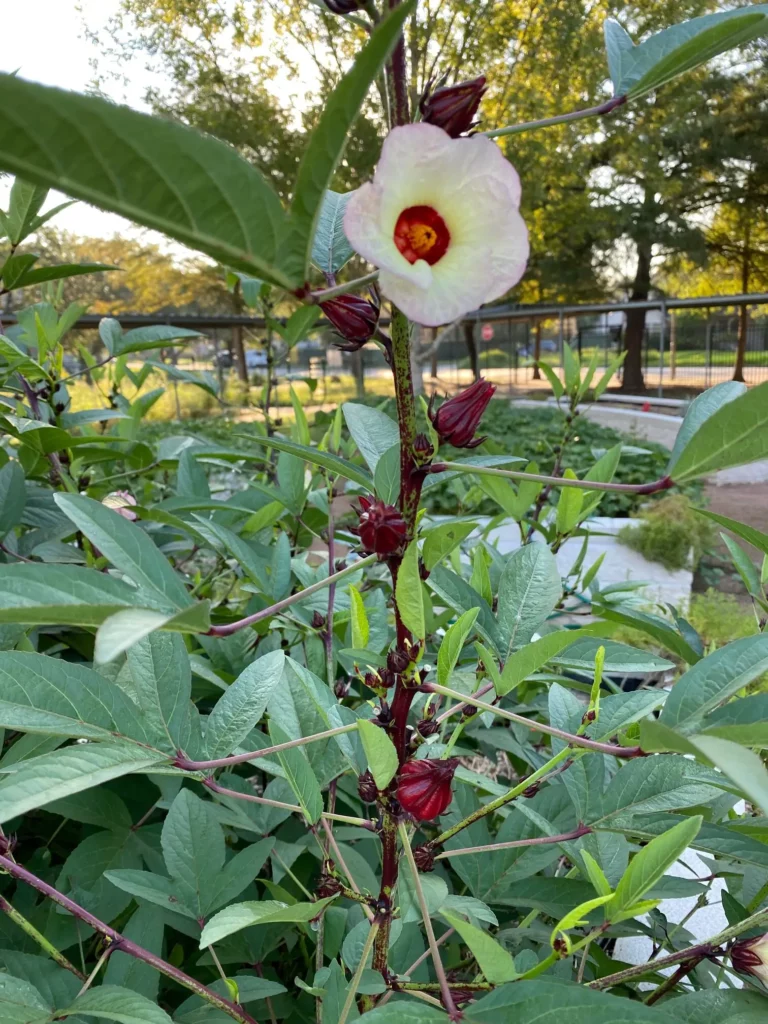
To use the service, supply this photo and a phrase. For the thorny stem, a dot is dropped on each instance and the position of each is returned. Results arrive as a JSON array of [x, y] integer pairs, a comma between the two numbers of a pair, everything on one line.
[[254, 755], [575, 115], [563, 837], [233, 1010], [445, 988], [280, 606], [39, 938], [663, 484], [700, 951], [549, 730]]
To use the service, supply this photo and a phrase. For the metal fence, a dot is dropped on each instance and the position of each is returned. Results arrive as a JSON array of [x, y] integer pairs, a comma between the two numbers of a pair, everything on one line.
[[688, 344]]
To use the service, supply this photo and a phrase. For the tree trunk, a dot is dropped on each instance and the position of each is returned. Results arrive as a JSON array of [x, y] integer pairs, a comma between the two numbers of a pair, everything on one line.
[[741, 348], [537, 351], [633, 379], [239, 347], [469, 341]]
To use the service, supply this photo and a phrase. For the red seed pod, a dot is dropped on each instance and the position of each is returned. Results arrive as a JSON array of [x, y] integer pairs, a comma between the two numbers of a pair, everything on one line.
[[424, 787], [457, 418], [354, 317], [453, 107], [366, 787], [382, 529], [750, 956], [424, 857]]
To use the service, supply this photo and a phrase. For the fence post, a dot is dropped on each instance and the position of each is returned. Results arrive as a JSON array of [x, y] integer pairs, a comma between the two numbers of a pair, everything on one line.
[[672, 345], [708, 351], [560, 340], [662, 339]]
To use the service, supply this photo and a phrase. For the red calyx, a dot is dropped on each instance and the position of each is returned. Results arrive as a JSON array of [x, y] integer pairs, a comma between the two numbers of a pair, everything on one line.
[[343, 6], [424, 787], [457, 418], [382, 529], [453, 107], [354, 317]]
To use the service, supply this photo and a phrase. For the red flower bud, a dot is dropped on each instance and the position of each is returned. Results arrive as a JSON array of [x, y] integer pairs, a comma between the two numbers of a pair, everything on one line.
[[343, 6], [424, 787], [354, 317], [382, 529], [457, 418], [453, 107], [750, 956], [366, 787], [424, 857]]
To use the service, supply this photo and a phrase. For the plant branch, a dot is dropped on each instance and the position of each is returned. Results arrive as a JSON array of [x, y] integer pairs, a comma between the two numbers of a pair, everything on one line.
[[445, 988], [549, 730], [700, 951], [342, 864], [233, 1010], [663, 484], [546, 122], [253, 755], [287, 602], [563, 837], [39, 938], [252, 798], [343, 289]]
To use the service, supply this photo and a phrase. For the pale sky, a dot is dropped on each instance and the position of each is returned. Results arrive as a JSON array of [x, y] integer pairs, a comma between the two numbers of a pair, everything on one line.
[[45, 41]]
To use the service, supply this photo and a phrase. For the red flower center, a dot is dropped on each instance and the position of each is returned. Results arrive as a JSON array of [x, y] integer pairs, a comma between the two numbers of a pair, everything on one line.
[[421, 234]]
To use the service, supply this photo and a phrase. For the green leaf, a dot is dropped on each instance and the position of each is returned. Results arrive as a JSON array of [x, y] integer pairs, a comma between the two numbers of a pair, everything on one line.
[[45, 695], [162, 684], [239, 872], [142, 338], [372, 430], [720, 1006], [654, 626], [21, 1003], [440, 541], [358, 619], [452, 645], [62, 270], [748, 533], [651, 863], [494, 961], [61, 594], [301, 426], [23, 207], [746, 568], [571, 368], [13, 496], [386, 479], [380, 752], [736, 433], [714, 680], [145, 928], [742, 766], [699, 411], [246, 915], [121, 631], [50, 777], [298, 324], [299, 774], [127, 547], [595, 874], [326, 460], [555, 383], [154, 172], [242, 705], [576, 918], [529, 659], [619, 658], [542, 1000], [617, 42], [529, 589], [155, 889], [193, 848], [569, 505], [119, 1004], [649, 785], [457, 594], [683, 47], [408, 592], [330, 248], [329, 138], [743, 721]]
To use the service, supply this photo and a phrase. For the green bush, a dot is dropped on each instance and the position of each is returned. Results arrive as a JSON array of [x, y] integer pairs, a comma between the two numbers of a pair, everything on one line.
[[670, 533]]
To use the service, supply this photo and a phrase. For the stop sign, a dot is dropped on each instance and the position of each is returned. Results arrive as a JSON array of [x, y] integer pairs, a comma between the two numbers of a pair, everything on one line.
[[487, 332]]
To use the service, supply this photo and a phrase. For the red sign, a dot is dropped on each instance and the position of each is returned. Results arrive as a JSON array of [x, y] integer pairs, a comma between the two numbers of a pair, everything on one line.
[[487, 332]]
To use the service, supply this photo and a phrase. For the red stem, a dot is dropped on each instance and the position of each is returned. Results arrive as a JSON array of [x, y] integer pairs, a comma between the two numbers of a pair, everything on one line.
[[124, 945]]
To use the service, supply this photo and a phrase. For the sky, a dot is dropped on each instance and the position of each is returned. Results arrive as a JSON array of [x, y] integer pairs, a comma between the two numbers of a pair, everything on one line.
[[45, 40]]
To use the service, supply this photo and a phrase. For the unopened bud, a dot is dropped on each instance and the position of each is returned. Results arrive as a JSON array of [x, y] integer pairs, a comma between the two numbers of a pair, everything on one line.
[[366, 788], [750, 956], [453, 107], [355, 319], [398, 660], [327, 886], [341, 688], [382, 528], [424, 856], [458, 417], [427, 727]]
